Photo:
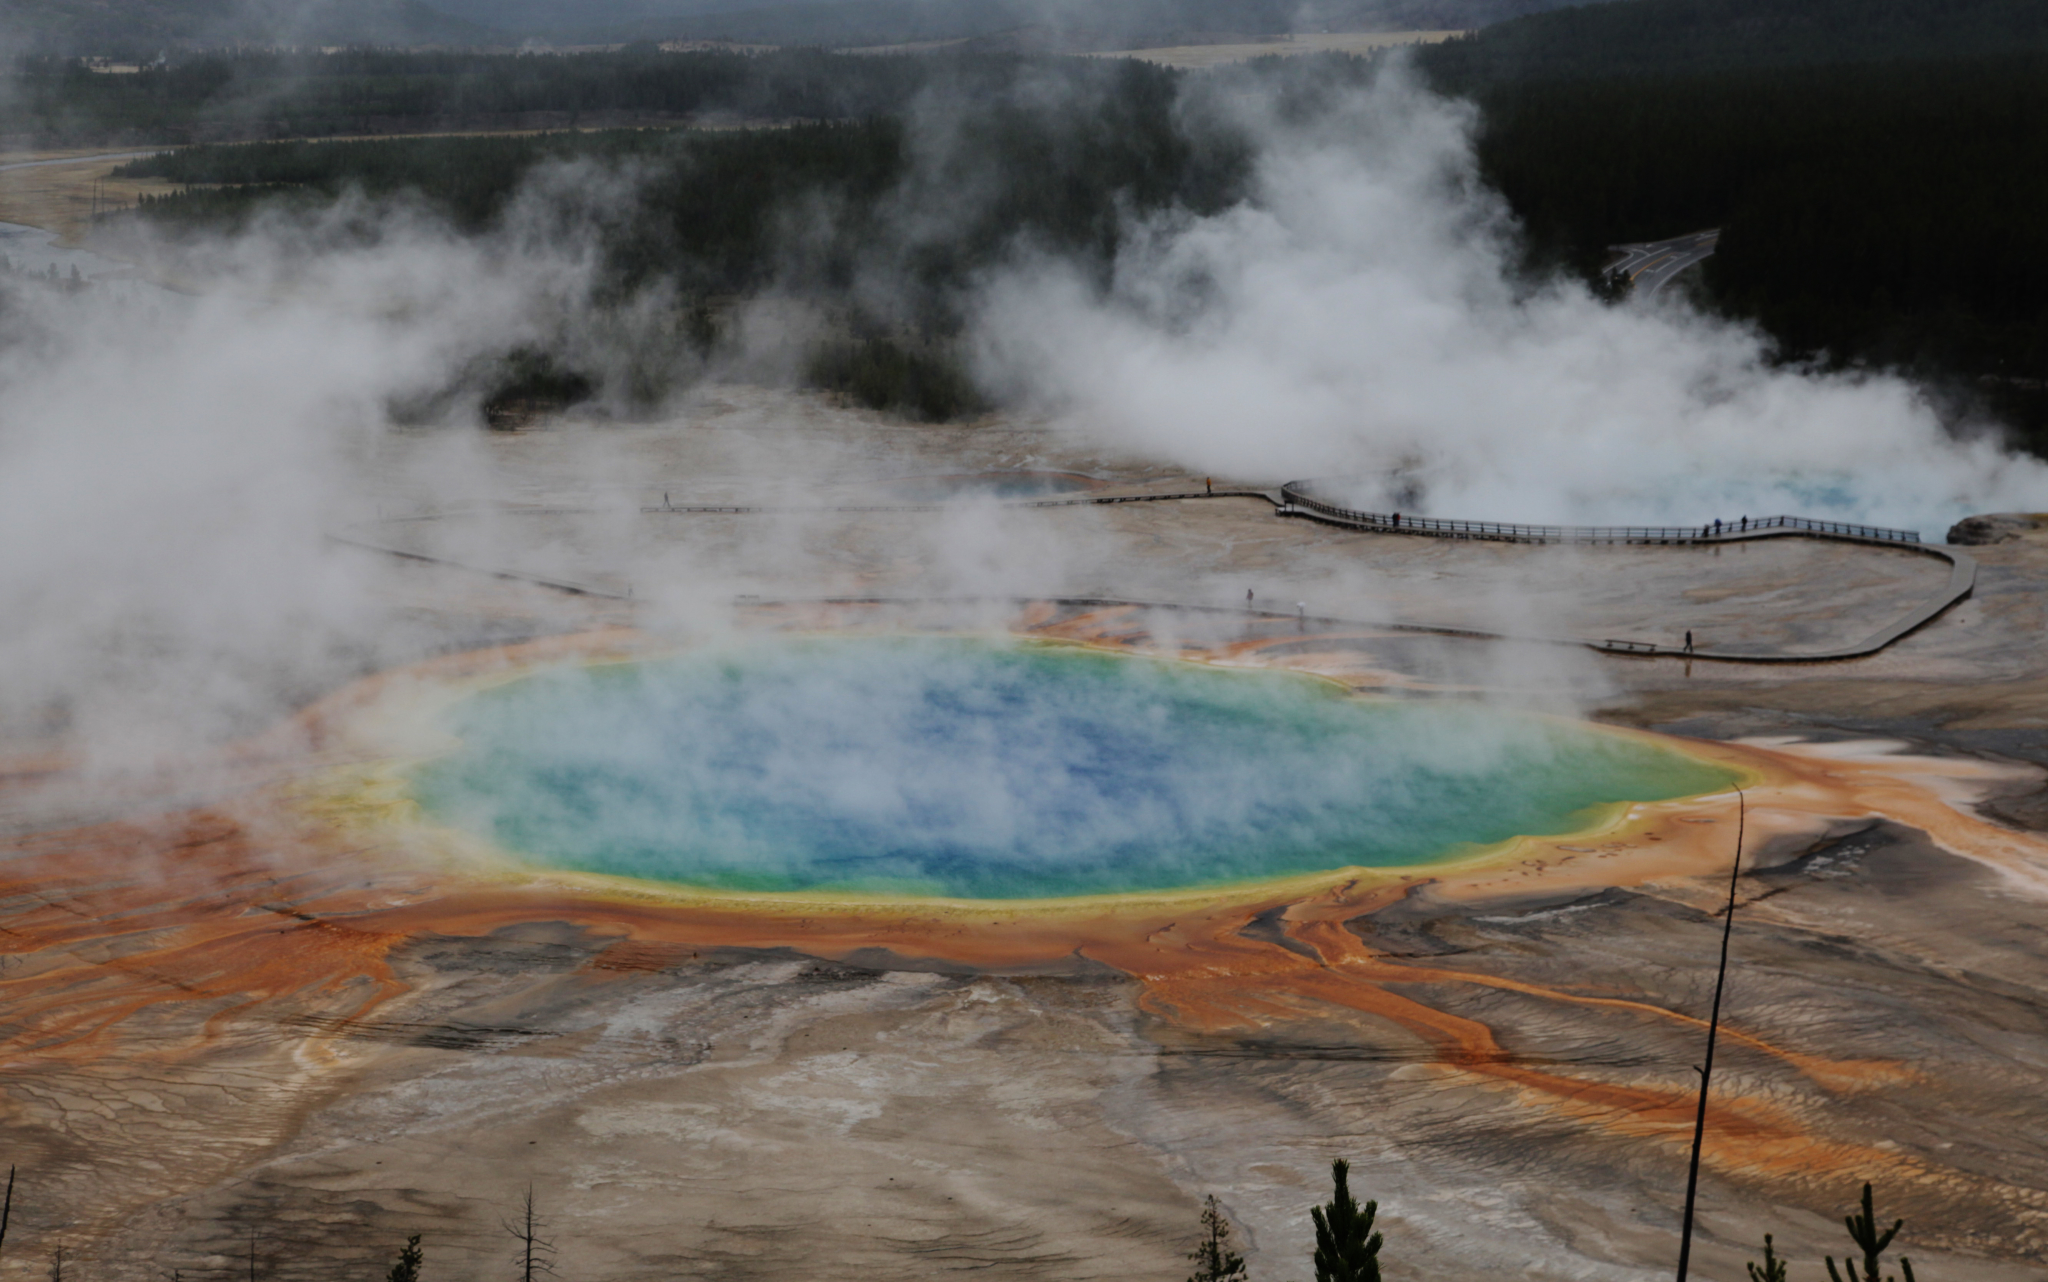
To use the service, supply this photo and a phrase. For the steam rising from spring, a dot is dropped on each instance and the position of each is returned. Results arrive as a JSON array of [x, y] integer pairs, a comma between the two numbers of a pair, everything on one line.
[[169, 464], [1362, 316], [972, 769]]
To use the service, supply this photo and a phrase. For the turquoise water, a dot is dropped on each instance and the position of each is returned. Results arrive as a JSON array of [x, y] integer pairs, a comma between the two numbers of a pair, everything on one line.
[[981, 769]]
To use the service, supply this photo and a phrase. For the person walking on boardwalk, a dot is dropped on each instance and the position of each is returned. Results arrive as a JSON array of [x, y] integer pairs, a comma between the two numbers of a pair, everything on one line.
[[1209, 485], [1688, 640]]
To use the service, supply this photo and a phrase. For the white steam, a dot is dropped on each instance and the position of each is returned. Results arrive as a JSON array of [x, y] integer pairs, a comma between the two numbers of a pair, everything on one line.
[[1361, 315], [170, 464]]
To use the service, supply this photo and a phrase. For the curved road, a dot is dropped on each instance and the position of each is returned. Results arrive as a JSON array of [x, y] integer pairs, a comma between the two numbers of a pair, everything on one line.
[[81, 160], [1652, 265]]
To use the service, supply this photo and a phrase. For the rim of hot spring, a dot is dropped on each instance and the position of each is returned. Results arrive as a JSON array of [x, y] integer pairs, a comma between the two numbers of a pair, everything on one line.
[[387, 725]]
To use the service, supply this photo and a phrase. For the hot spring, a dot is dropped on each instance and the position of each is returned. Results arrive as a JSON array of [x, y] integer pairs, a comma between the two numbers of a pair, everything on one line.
[[982, 769]]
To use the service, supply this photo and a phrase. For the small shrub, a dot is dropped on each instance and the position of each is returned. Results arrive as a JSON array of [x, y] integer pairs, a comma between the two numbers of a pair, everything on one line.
[[409, 1258]]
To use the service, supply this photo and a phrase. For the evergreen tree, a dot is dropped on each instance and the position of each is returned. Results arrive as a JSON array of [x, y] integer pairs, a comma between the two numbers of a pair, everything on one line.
[[1214, 1260], [1772, 1269], [1863, 1231], [409, 1257], [1613, 287], [1347, 1249]]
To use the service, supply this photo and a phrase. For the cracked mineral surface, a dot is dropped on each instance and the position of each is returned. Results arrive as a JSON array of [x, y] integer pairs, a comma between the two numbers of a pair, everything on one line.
[[241, 1022]]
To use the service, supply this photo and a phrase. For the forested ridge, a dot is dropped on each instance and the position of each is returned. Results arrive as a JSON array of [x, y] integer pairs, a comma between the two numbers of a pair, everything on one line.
[[1059, 156], [1875, 214], [1877, 211], [1041, 25], [1648, 38], [1053, 154], [1877, 168], [145, 28], [258, 95]]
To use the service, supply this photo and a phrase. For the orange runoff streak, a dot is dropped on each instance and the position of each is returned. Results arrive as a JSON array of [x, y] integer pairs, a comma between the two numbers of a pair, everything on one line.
[[113, 921]]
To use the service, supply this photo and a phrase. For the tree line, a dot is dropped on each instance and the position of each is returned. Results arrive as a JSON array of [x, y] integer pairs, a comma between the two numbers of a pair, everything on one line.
[[1654, 38], [1880, 215], [1347, 1243], [244, 95], [1874, 166], [1875, 214], [1058, 155]]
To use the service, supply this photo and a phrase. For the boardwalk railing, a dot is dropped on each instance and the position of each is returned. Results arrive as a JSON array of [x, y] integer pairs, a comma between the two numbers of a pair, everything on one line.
[[1293, 499], [1297, 501], [1631, 647]]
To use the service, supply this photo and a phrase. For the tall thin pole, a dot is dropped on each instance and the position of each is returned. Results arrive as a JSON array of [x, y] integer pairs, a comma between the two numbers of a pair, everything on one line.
[[526, 1240], [1699, 1124], [7, 1207]]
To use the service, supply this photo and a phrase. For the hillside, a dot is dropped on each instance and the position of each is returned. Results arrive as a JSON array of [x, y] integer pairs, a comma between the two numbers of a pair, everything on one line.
[[1875, 166], [266, 94], [1671, 37], [142, 28], [1073, 25]]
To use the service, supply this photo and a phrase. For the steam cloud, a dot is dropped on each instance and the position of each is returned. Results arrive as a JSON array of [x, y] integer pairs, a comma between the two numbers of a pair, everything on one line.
[[170, 464], [1362, 317]]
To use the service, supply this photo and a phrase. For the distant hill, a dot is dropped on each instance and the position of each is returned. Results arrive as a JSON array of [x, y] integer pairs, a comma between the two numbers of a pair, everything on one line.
[[142, 27], [1038, 24], [137, 26], [1876, 168], [1666, 37]]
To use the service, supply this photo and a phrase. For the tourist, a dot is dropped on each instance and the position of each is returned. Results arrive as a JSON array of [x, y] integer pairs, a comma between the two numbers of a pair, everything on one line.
[[1688, 640]]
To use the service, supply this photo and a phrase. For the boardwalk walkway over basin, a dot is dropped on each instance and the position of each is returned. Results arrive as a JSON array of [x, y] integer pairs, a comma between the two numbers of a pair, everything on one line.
[[1313, 500]]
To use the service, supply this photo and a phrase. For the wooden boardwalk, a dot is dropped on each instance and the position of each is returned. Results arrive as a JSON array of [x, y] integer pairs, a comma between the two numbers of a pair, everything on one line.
[[1300, 499]]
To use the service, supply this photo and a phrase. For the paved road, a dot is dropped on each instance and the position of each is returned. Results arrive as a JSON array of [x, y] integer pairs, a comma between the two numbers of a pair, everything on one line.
[[1653, 265], [81, 160]]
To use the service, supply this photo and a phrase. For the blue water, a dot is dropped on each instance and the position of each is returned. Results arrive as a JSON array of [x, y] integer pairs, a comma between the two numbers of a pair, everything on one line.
[[982, 769]]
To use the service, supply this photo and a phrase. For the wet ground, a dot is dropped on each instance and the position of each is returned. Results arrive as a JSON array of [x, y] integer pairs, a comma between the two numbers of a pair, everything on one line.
[[215, 1033]]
